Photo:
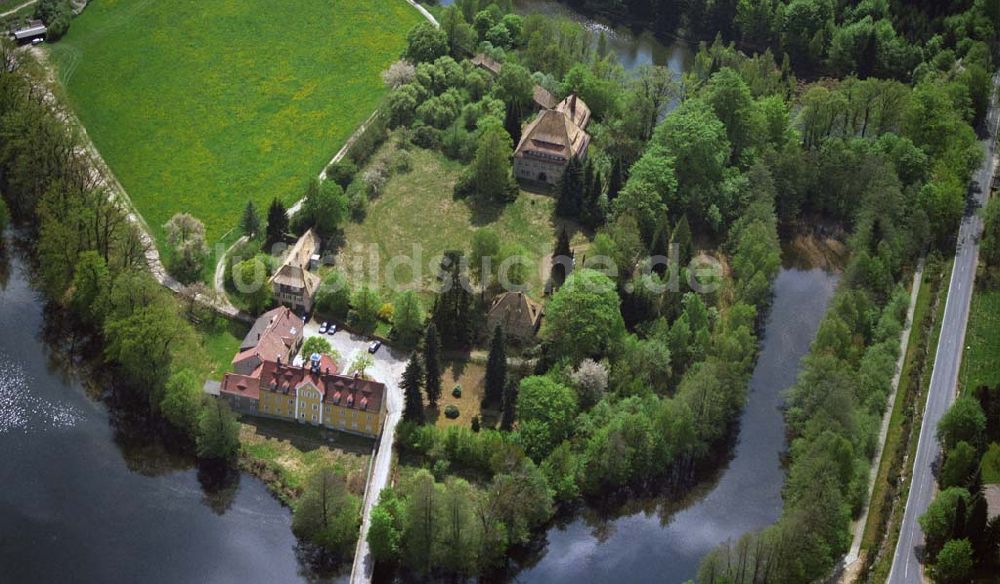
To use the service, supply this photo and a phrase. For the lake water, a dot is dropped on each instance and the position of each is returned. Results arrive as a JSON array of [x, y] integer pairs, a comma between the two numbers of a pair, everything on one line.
[[88, 496], [663, 540], [632, 48]]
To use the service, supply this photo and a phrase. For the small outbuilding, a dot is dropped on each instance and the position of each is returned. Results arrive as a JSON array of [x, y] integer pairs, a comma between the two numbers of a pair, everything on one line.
[[35, 30]]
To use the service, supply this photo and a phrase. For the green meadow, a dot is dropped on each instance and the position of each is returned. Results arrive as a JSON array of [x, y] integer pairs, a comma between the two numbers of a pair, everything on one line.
[[201, 105]]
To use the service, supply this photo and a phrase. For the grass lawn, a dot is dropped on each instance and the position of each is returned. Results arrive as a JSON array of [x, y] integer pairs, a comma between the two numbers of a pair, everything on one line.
[[416, 214], [991, 465], [981, 362], [220, 341], [200, 105], [471, 376], [291, 452]]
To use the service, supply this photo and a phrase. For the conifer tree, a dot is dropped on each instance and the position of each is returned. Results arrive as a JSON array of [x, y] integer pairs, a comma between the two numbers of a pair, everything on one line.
[[616, 180], [250, 223], [509, 407], [414, 408], [452, 313], [496, 368], [432, 365], [660, 246], [277, 221], [682, 239], [512, 123], [571, 190], [562, 258]]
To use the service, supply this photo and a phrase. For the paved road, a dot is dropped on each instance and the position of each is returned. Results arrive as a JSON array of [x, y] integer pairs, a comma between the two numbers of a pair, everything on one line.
[[906, 567], [388, 369]]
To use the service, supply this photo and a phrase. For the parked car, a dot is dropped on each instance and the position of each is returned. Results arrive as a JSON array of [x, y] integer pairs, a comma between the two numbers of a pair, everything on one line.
[[372, 348], [322, 328], [35, 42], [331, 329]]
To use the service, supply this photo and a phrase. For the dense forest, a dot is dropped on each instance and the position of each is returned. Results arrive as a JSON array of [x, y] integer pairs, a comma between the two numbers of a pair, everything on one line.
[[635, 390]]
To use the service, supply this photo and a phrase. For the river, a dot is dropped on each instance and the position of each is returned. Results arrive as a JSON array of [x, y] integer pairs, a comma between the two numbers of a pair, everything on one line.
[[88, 496], [663, 540]]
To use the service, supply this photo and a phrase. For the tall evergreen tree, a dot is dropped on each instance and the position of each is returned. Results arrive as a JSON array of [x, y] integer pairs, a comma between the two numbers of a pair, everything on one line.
[[571, 190], [414, 408], [976, 528], [496, 368], [682, 239], [958, 526], [562, 259], [509, 407], [432, 364], [512, 123], [277, 221], [250, 222], [591, 213], [616, 180], [660, 246], [452, 313]]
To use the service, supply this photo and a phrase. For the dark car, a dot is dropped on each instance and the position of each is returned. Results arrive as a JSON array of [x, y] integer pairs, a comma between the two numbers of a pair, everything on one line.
[[372, 348]]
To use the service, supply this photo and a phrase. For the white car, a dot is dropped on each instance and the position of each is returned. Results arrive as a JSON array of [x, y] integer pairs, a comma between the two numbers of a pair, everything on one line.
[[322, 328]]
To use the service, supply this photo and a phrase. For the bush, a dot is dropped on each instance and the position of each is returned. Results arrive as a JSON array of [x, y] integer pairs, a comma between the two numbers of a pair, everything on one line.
[[342, 172], [451, 412], [426, 136], [333, 299], [56, 14], [401, 162], [368, 142], [457, 392], [375, 177], [357, 200], [458, 144], [465, 186]]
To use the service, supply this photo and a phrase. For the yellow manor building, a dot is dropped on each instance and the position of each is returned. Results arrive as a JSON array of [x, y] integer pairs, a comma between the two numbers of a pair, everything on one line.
[[310, 394]]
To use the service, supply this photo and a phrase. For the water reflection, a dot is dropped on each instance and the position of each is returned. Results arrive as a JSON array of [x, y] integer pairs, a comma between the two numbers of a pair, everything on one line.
[[632, 48], [663, 539], [91, 490]]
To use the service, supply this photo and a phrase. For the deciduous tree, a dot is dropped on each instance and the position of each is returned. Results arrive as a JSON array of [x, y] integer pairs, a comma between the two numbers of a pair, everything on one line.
[[327, 514], [218, 431], [583, 317]]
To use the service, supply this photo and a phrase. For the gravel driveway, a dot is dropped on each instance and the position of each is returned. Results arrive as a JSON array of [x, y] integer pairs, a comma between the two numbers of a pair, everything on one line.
[[388, 369]]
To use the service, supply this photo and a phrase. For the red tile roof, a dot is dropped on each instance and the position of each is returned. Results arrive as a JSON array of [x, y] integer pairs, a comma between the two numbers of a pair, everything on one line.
[[351, 392], [274, 335]]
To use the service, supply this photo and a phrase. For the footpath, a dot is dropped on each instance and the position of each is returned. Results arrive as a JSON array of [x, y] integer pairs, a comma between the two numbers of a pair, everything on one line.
[[852, 564]]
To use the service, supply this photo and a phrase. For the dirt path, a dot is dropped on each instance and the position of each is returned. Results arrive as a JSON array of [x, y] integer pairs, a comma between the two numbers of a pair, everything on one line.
[[851, 563], [17, 8]]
